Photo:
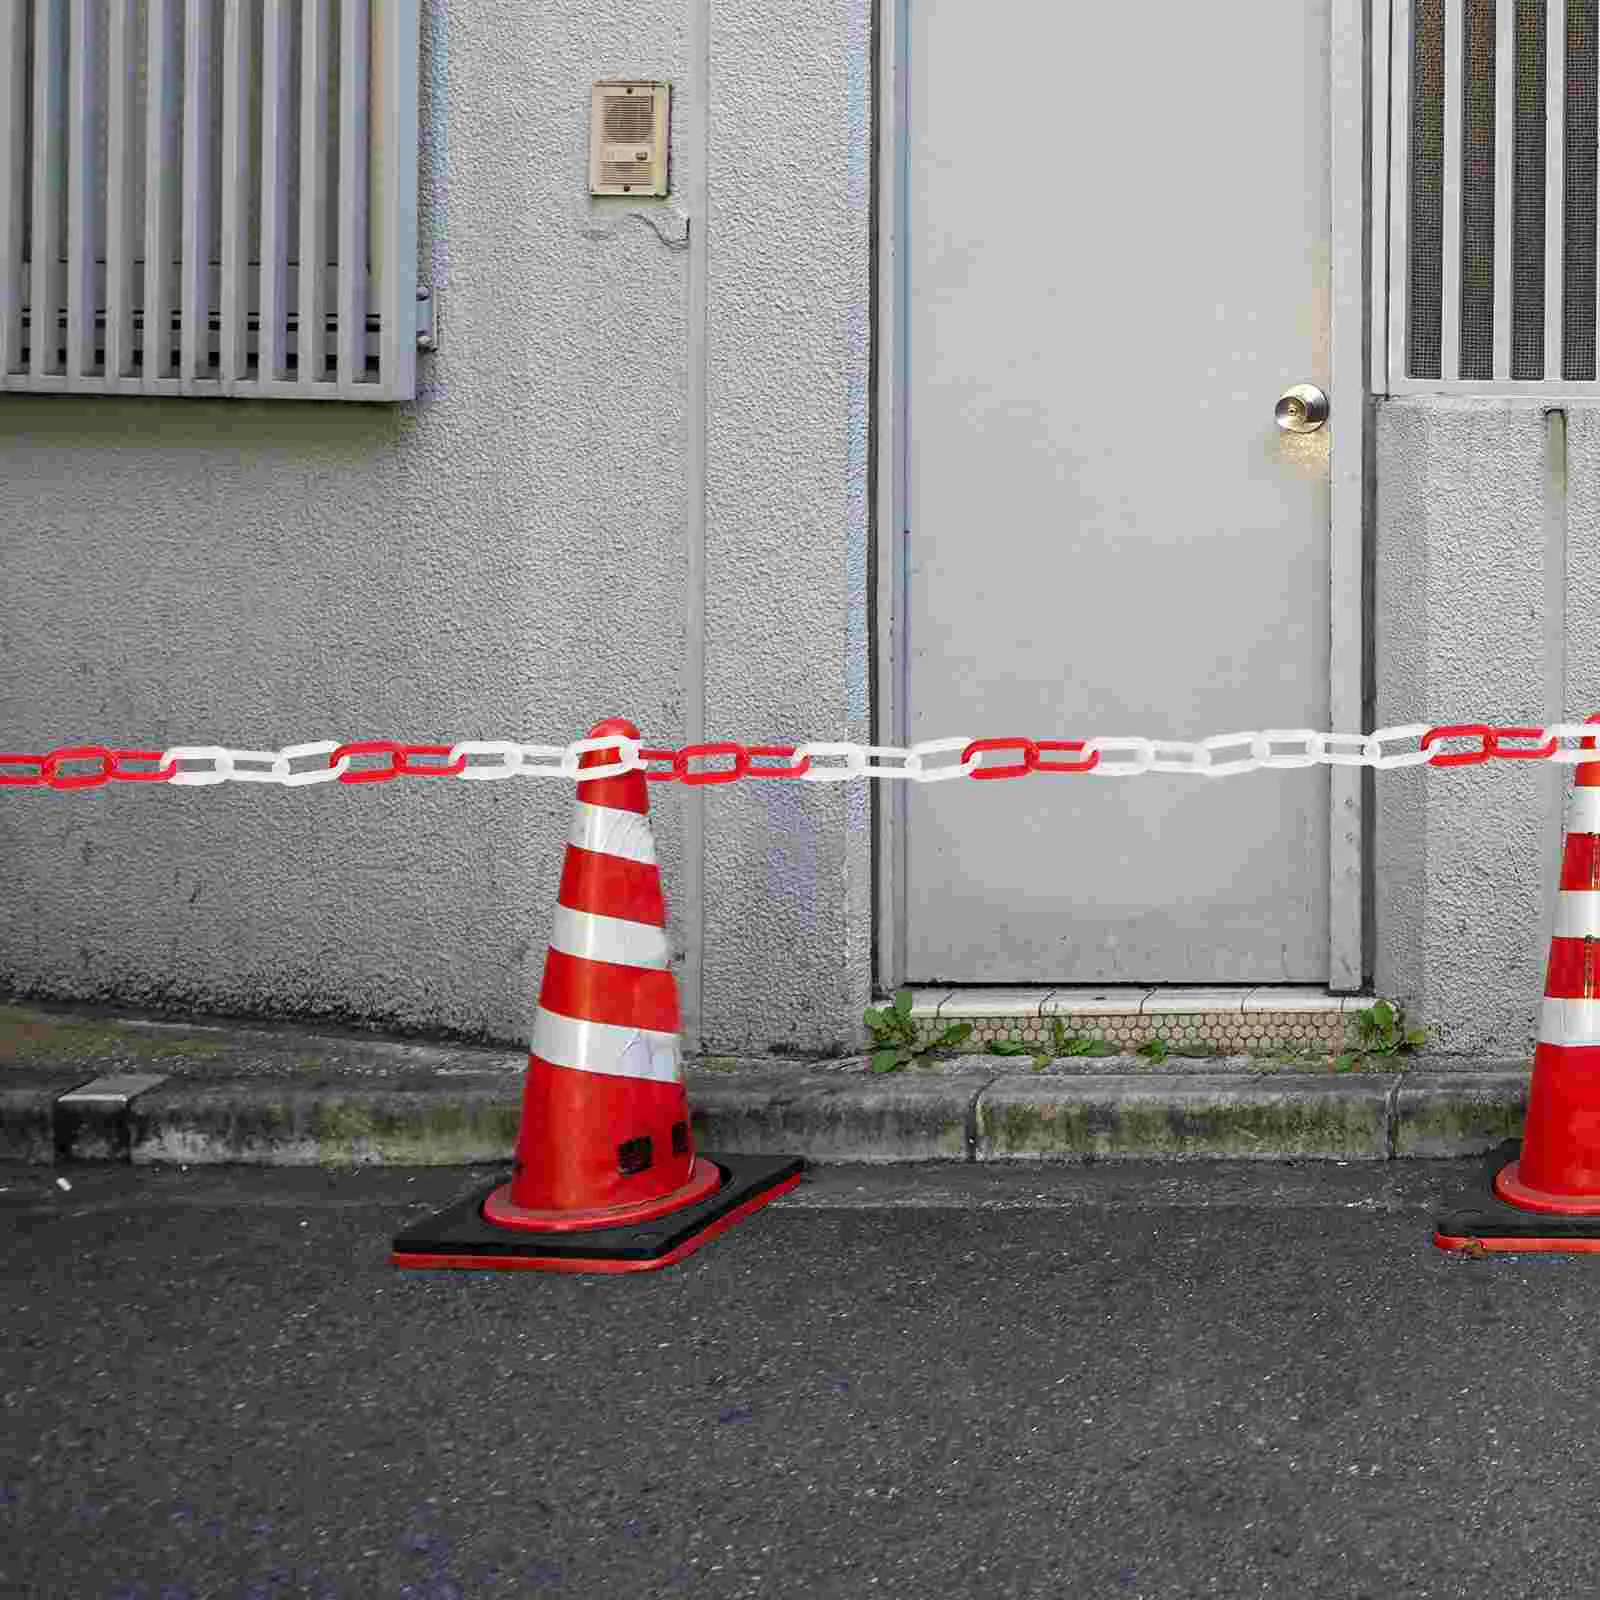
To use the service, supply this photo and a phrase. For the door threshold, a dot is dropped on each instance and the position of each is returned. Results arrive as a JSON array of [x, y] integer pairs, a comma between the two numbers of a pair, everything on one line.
[[1229, 1019]]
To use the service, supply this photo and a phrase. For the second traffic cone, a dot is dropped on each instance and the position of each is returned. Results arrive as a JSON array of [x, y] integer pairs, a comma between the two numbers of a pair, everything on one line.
[[606, 1177], [1549, 1198]]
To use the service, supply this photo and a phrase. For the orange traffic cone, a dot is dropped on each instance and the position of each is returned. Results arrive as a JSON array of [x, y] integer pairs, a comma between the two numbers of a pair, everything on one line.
[[606, 1178], [1549, 1198]]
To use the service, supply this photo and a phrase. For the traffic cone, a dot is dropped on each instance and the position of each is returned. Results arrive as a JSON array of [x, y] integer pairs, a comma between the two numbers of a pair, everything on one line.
[[606, 1178], [1549, 1198]]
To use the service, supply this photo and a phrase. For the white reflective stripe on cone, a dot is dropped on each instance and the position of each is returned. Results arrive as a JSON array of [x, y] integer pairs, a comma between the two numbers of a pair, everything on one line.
[[597, 938], [1583, 811], [1570, 1022], [1578, 914], [602, 1047], [610, 832]]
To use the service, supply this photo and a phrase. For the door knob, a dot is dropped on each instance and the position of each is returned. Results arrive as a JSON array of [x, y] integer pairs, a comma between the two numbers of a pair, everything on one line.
[[1301, 409]]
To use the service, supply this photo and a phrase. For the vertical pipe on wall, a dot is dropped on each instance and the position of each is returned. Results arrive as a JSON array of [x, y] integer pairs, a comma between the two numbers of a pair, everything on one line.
[[697, 142], [888, 448], [234, 287], [354, 46], [1555, 642], [122, 53], [275, 127]]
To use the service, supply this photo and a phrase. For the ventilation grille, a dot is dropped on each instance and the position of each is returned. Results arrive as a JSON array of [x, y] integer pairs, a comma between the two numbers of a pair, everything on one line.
[[628, 139], [209, 197], [1493, 216]]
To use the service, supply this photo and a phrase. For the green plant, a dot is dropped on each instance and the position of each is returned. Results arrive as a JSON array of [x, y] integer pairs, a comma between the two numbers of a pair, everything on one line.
[[894, 1035], [1380, 1031], [1157, 1050], [1272, 1057], [1063, 1043], [1008, 1047], [1288, 1051], [1090, 1047]]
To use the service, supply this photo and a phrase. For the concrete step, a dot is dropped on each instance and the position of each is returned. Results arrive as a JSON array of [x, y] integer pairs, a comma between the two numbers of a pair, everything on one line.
[[77, 1088]]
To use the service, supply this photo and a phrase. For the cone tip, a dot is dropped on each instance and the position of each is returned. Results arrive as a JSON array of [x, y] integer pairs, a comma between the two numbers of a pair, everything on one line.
[[609, 725]]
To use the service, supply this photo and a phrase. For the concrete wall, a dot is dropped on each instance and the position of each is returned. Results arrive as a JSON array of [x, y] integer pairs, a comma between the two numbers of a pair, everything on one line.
[[640, 423], [1487, 593]]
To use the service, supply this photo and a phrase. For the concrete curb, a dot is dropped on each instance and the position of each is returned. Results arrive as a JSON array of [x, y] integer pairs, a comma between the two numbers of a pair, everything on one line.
[[75, 1087], [1282, 1117]]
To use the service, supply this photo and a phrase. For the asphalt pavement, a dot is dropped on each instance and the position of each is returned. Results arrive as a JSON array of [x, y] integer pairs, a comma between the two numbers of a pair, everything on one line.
[[1107, 1380]]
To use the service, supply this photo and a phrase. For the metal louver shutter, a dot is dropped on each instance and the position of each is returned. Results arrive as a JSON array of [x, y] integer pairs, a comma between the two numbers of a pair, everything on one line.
[[1492, 219]]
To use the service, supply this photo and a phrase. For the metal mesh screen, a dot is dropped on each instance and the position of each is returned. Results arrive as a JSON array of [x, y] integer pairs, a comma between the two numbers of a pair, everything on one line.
[[1522, 195], [1527, 196], [1578, 220], [1425, 267], [1477, 190]]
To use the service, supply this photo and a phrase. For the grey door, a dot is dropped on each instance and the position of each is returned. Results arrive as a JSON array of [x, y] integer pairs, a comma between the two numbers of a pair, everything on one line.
[[1116, 259]]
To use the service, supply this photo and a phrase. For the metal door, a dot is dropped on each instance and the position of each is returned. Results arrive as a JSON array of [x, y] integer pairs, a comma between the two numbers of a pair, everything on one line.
[[1115, 245]]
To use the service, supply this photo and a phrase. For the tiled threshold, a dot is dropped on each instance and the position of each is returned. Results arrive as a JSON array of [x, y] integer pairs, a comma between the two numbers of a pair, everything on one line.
[[1231, 1020]]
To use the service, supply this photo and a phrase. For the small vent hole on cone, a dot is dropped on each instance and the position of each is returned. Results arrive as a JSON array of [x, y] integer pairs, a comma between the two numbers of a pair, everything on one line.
[[634, 1156], [680, 1138]]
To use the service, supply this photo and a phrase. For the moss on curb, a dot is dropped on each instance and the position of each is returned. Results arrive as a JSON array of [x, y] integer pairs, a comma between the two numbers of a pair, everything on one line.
[[1449, 1126], [1246, 1127], [23, 1039], [434, 1135]]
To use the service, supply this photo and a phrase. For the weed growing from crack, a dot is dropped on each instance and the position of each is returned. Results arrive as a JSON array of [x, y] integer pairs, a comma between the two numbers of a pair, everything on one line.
[[895, 1042]]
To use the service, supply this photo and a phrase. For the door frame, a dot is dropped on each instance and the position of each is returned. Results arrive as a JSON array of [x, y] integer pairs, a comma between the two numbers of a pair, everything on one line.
[[1354, 25]]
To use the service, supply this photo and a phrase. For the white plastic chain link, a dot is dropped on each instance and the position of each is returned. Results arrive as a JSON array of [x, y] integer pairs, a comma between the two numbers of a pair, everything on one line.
[[487, 760]]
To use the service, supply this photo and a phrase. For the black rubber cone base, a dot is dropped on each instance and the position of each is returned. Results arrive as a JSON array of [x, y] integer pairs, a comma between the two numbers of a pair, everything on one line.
[[460, 1237], [1480, 1221]]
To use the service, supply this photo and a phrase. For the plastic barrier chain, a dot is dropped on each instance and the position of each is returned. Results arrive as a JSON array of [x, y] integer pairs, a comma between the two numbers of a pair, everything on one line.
[[89, 766]]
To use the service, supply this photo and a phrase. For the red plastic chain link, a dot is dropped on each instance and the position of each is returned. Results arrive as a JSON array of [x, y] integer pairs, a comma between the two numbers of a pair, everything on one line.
[[1087, 765], [20, 780], [160, 775], [743, 757], [1541, 752], [407, 770], [370, 747], [1489, 744], [699, 752], [78, 780], [111, 768], [1461, 730], [669, 756], [1017, 769], [794, 770], [1030, 757], [400, 761]]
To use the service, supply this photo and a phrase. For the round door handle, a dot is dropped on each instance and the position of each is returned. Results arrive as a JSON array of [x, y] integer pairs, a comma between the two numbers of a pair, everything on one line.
[[1301, 409]]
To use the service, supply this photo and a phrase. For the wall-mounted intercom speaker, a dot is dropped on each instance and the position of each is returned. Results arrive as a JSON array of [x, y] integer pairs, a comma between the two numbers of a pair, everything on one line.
[[628, 136]]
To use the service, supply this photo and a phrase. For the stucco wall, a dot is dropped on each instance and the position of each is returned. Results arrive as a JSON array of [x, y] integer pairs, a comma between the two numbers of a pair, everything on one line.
[[509, 557], [1488, 598]]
